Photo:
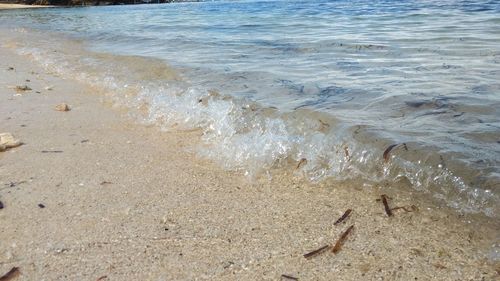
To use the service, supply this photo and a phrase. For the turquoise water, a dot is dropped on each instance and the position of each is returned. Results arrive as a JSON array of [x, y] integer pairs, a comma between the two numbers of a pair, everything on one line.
[[271, 83]]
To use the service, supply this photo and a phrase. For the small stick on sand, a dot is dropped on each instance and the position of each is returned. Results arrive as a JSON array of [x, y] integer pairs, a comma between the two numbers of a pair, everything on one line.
[[439, 266], [388, 210], [13, 273], [343, 217], [407, 209], [14, 184], [378, 199], [316, 252], [289, 277], [340, 242], [52, 151]]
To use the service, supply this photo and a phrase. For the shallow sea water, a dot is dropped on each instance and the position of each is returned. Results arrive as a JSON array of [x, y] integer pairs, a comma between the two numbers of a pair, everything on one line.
[[321, 87]]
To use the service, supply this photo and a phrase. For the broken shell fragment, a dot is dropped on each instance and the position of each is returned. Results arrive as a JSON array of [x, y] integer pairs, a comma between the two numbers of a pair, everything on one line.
[[62, 107], [7, 141], [20, 89]]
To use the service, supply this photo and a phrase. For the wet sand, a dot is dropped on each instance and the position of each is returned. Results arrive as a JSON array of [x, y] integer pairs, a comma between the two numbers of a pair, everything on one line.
[[126, 201]]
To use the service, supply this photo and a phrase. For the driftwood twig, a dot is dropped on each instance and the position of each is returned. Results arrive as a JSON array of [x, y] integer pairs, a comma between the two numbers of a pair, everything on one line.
[[316, 252], [289, 277], [388, 210], [341, 240], [343, 217]]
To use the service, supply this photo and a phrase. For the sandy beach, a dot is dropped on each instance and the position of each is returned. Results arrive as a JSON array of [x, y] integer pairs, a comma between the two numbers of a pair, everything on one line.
[[91, 195], [20, 6]]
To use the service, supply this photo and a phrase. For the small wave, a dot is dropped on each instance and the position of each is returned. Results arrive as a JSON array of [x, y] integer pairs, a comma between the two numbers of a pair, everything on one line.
[[241, 134]]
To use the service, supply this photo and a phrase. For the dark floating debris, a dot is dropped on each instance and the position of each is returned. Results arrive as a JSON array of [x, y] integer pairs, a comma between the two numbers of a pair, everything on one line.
[[343, 217], [302, 161], [52, 151], [316, 252], [340, 242], [10, 68], [387, 151], [41, 206], [323, 125], [105, 182], [13, 273], [289, 277], [1, 205], [388, 210]]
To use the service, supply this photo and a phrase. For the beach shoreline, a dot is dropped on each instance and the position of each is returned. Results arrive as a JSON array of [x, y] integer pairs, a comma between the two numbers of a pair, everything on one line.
[[22, 6], [126, 200]]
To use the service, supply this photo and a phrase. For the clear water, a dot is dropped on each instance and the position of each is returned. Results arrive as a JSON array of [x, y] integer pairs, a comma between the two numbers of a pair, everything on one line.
[[272, 83]]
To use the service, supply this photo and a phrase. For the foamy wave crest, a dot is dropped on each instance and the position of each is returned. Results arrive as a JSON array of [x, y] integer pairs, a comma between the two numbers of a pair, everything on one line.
[[244, 136]]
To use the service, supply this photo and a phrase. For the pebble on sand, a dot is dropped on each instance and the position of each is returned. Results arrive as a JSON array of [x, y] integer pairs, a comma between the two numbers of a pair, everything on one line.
[[7, 141], [62, 107]]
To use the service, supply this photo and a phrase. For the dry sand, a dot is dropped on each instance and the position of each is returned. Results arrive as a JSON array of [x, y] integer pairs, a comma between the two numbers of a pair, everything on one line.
[[122, 201], [21, 6]]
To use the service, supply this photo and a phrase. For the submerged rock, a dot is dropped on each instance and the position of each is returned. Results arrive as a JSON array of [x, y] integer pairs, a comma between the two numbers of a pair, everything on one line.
[[7, 141]]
